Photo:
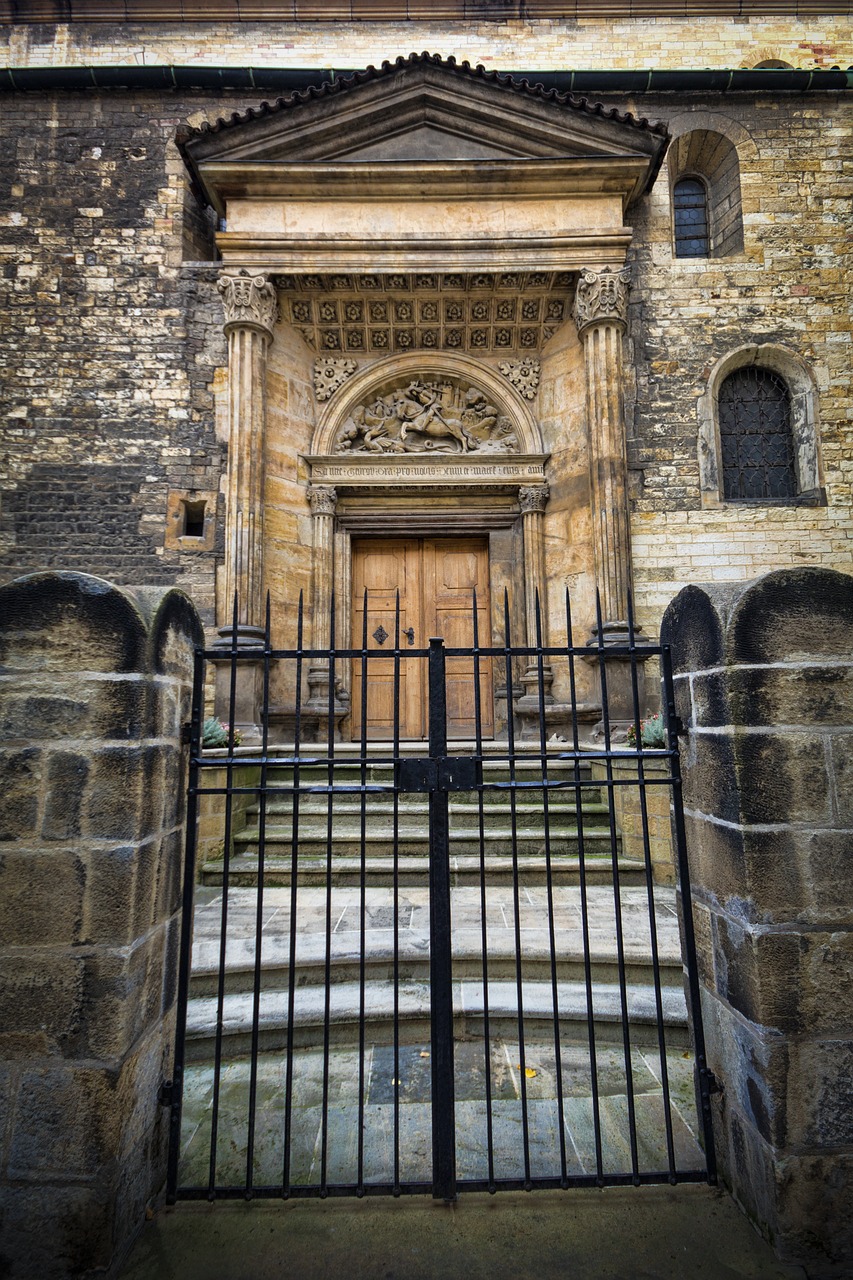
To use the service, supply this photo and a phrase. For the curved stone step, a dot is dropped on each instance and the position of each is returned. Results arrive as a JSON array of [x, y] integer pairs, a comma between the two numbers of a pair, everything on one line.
[[346, 1014]]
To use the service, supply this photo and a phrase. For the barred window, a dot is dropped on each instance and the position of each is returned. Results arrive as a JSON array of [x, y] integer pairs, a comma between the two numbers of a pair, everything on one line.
[[690, 209], [756, 440]]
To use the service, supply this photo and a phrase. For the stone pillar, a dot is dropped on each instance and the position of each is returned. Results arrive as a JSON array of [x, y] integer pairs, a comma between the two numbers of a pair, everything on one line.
[[533, 499], [94, 689], [600, 313], [601, 305], [764, 687], [323, 499], [251, 310]]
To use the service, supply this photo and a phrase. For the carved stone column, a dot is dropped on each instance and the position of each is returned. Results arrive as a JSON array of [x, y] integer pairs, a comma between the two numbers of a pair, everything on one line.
[[251, 310], [601, 305], [323, 499], [533, 499]]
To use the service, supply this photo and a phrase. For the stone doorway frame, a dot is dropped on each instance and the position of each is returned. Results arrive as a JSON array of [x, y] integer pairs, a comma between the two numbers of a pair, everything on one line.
[[500, 497]]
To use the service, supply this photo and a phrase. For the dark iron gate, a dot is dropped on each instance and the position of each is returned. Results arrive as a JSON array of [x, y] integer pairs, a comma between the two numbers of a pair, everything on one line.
[[436, 967]]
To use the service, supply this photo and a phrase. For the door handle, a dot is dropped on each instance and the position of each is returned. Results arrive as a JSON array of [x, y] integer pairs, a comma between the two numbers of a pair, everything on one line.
[[410, 632]]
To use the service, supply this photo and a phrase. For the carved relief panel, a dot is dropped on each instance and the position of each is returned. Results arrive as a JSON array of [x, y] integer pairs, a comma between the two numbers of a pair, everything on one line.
[[427, 416]]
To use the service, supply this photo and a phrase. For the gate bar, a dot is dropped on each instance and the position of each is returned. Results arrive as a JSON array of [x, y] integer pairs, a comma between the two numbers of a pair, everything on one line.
[[443, 1105]]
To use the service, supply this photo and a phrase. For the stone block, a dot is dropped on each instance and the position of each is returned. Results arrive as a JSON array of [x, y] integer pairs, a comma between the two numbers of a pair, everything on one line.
[[55, 1232], [693, 627], [805, 695], [113, 810], [41, 1002], [38, 716], [41, 896], [121, 995], [781, 778], [710, 779], [841, 766], [829, 858], [69, 622], [66, 1125], [792, 615], [65, 783], [752, 1067], [20, 785], [814, 1212], [710, 705], [820, 1093]]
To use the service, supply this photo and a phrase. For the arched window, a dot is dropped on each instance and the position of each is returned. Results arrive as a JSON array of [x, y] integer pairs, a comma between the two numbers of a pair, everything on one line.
[[756, 440], [690, 211]]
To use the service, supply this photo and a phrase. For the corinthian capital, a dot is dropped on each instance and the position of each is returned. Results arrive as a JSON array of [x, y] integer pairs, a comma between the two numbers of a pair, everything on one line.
[[533, 497], [322, 498], [249, 301], [602, 297]]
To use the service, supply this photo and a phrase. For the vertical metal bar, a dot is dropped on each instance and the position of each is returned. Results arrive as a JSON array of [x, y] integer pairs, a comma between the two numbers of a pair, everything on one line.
[[327, 972], [294, 879], [687, 918], [617, 899], [484, 931], [259, 910], [396, 895], [185, 952], [440, 958], [552, 941], [587, 960], [223, 922], [519, 979], [650, 893], [362, 902]]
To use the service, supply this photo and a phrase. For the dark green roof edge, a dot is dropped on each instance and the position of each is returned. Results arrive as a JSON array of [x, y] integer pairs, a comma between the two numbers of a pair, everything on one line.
[[286, 80]]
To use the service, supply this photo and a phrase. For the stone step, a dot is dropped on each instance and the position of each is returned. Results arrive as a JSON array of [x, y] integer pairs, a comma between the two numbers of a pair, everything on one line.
[[463, 813], [345, 1014], [413, 871], [413, 840]]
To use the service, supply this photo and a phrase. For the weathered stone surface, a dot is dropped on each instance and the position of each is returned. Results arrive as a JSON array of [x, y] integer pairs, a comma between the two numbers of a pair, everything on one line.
[[782, 777], [793, 615], [90, 871], [710, 776]]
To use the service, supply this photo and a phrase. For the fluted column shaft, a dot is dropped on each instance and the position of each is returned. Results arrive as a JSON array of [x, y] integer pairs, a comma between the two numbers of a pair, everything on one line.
[[532, 499], [600, 315], [323, 499], [250, 313]]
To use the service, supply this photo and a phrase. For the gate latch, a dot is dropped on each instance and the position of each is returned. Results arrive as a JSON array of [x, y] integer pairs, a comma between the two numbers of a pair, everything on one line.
[[447, 773]]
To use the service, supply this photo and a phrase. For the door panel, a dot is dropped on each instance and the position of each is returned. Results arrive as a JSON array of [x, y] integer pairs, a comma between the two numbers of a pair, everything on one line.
[[453, 571], [382, 569], [436, 579]]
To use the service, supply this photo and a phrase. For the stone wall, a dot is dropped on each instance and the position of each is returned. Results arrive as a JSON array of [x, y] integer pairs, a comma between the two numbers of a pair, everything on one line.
[[698, 41], [764, 686], [114, 338], [93, 693]]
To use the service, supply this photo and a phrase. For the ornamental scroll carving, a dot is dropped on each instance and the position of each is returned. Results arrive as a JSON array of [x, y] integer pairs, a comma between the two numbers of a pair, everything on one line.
[[523, 374], [602, 297], [533, 497], [427, 417], [331, 374], [323, 498], [248, 301]]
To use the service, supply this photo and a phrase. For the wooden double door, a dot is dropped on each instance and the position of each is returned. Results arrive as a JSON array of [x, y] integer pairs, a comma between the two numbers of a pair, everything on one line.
[[436, 579]]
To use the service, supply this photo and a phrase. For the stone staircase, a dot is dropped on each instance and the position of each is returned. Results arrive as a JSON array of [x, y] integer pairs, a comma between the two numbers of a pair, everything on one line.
[[345, 924], [318, 852]]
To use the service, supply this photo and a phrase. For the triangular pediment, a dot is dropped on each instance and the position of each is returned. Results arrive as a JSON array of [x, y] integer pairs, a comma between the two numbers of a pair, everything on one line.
[[422, 110]]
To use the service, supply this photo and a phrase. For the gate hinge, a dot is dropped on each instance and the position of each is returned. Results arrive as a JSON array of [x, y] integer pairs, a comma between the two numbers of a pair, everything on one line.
[[186, 734], [678, 725], [711, 1081], [165, 1094]]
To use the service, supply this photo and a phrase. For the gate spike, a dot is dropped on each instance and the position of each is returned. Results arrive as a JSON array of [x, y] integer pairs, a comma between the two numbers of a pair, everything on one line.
[[538, 614], [569, 636], [474, 617], [267, 623], [396, 619], [506, 618], [331, 622], [299, 618], [234, 616]]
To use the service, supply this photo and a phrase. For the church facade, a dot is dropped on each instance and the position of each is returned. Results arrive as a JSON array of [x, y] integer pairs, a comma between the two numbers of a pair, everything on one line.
[[427, 328]]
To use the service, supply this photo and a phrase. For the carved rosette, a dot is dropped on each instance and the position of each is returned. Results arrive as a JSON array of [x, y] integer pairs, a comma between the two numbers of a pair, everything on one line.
[[533, 498], [323, 498], [602, 298], [249, 302], [330, 374], [523, 374]]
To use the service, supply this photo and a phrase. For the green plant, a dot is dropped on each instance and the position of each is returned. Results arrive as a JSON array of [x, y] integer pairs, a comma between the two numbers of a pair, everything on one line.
[[652, 733], [215, 733]]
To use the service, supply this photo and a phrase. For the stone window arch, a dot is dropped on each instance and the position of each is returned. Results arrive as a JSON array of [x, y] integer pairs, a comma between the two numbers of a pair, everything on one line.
[[758, 430], [706, 156]]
